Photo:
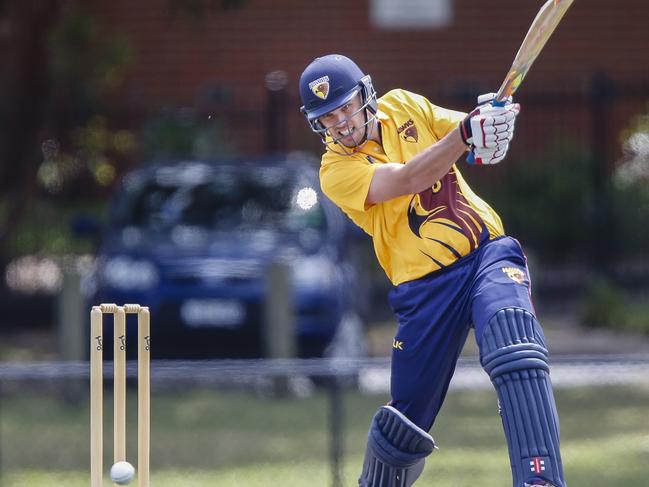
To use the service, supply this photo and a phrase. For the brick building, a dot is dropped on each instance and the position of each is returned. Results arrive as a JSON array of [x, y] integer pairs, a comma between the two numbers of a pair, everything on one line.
[[215, 56]]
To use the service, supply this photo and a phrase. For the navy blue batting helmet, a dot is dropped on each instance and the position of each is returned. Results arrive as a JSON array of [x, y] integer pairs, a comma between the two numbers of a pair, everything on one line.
[[328, 83]]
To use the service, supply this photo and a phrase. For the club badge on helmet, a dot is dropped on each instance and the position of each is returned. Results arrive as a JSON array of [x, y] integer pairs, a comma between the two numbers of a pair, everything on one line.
[[327, 84]]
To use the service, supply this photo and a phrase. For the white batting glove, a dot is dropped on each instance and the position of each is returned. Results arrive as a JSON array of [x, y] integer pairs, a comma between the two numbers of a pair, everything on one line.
[[488, 129], [488, 125]]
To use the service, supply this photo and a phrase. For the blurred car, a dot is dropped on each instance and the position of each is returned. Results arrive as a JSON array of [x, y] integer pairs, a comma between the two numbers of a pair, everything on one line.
[[194, 241]]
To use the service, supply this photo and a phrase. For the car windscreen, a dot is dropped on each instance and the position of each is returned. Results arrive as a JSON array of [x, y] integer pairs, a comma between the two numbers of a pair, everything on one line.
[[221, 199]]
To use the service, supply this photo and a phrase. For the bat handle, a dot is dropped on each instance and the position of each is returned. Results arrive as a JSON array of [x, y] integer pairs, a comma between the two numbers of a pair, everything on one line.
[[504, 93]]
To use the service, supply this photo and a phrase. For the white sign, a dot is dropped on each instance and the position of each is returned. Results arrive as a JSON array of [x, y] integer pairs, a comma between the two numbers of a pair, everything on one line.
[[411, 14], [222, 313]]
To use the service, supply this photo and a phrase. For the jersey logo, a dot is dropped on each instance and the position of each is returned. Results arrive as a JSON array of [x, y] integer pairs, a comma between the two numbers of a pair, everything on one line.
[[410, 131], [397, 344], [515, 274], [320, 87], [445, 221]]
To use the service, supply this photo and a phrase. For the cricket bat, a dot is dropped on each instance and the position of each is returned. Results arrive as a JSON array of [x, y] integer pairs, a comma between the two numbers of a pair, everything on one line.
[[542, 27]]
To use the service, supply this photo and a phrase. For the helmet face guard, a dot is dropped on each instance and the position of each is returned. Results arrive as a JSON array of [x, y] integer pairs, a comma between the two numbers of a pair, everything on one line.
[[326, 85]]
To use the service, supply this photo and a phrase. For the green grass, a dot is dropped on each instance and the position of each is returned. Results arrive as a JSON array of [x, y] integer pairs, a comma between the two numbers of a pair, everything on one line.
[[228, 439]]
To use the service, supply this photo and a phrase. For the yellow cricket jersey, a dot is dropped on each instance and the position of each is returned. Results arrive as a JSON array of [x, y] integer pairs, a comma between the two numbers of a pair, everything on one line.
[[413, 235]]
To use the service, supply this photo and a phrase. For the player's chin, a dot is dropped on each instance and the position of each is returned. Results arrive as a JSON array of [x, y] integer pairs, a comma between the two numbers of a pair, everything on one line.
[[350, 144], [349, 141]]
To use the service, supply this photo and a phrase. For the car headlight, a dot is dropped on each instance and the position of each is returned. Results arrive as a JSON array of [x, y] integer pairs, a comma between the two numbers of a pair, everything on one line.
[[313, 272], [127, 273]]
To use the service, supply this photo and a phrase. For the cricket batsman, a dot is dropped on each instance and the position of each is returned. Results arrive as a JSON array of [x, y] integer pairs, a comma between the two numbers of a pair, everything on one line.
[[389, 164]]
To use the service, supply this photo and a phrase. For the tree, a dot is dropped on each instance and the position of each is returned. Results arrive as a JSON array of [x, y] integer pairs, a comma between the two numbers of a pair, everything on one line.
[[59, 140], [24, 97]]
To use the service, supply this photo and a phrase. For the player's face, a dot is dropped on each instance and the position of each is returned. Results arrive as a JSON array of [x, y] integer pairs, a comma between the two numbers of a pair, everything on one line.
[[346, 125]]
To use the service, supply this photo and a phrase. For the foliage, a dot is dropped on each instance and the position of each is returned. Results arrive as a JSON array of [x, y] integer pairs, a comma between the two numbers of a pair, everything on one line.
[[631, 187], [183, 134], [603, 304], [46, 230], [89, 63], [635, 142], [87, 59], [631, 219], [93, 151], [606, 305], [546, 201], [551, 204], [81, 63], [84, 147]]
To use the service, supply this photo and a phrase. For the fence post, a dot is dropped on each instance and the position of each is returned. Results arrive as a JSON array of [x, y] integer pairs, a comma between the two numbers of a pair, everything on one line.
[[601, 94], [278, 332], [70, 327], [71, 339], [336, 422]]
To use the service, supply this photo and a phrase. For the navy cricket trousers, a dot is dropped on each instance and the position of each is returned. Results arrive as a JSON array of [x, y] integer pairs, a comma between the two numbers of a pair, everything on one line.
[[435, 314]]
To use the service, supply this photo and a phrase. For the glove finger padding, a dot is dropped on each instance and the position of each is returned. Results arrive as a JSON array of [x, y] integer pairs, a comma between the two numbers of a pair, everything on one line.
[[500, 128], [486, 156], [498, 118], [486, 120], [497, 135]]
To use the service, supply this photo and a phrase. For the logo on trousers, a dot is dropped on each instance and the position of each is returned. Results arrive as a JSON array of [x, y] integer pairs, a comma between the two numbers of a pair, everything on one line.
[[515, 274]]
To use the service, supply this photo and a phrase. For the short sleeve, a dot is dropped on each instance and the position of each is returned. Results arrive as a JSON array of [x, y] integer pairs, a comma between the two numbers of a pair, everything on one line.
[[346, 181], [441, 120]]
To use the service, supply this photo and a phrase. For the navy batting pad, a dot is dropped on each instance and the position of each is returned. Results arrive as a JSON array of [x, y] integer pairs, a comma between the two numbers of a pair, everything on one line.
[[514, 354], [396, 449]]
